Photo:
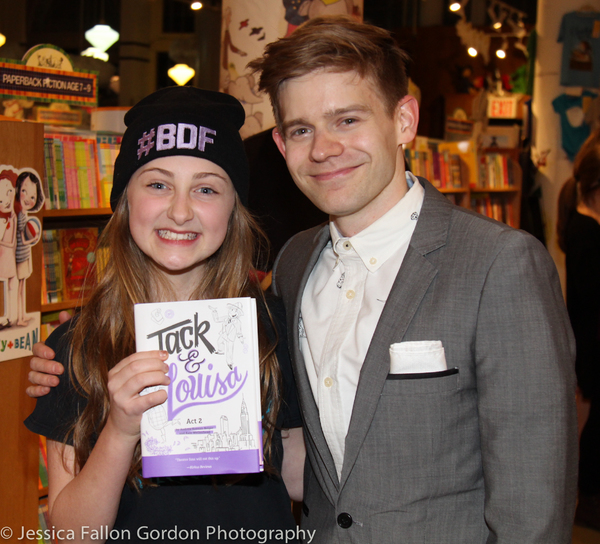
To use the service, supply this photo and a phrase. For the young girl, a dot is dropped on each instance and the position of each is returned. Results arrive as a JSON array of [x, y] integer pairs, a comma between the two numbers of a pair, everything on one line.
[[29, 199], [179, 232]]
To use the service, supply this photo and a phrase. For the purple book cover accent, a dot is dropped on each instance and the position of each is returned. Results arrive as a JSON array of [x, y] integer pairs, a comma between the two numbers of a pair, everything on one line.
[[211, 421]]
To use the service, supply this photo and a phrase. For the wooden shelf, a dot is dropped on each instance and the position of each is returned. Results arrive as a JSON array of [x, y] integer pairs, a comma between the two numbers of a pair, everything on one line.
[[490, 190], [453, 190], [64, 305], [77, 212]]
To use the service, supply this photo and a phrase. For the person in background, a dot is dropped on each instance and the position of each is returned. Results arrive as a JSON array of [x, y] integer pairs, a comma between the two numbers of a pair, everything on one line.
[[578, 230], [179, 231], [431, 346]]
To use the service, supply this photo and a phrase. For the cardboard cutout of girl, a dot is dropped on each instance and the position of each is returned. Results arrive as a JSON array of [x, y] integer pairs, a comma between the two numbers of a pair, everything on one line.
[[29, 199], [8, 236]]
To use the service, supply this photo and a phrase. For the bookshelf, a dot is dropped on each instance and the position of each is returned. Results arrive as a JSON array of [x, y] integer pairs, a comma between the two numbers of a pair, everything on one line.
[[22, 491], [22, 148], [486, 180], [78, 179], [497, 192]]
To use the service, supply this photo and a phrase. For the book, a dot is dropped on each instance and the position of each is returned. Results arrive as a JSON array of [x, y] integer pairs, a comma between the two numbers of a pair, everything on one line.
[[51, 259], [77, 250], [108, 148], [71, 168], [43, 464], [211, 420]]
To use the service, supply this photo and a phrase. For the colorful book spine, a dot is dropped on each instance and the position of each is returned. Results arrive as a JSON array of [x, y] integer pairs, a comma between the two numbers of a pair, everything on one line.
[[60, 174], [52, 270]]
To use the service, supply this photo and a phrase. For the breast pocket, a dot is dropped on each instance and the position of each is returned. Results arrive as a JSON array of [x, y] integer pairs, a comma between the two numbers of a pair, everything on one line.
[[422, 382], [415, 422]]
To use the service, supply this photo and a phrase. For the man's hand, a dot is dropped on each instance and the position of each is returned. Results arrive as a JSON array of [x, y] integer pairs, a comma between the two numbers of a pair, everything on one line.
[[44, 371]]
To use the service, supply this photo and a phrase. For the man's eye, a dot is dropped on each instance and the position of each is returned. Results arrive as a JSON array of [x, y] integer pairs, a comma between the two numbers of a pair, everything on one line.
[[299, 131], [349, 121]]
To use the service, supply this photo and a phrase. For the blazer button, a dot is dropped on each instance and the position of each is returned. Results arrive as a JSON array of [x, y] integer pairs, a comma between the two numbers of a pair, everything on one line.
[[344, 520]]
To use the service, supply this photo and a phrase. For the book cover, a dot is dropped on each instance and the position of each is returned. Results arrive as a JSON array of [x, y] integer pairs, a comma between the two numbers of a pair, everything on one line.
[[211, 420], [77, 249]]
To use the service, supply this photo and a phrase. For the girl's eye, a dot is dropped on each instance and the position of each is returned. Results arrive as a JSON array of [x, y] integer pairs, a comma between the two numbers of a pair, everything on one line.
[[157, 185], [206, 190]]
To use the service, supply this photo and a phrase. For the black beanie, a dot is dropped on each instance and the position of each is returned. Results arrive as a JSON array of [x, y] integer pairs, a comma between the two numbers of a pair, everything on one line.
[[183, 121]]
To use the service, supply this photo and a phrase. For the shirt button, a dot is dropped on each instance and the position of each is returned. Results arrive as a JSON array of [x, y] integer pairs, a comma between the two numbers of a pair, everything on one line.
[[350, 294], [344, 520], [328, 382], [347, 245], [372, 260]]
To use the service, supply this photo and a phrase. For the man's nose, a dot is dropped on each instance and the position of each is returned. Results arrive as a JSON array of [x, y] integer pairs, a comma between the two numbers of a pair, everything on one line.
[[325, 145]]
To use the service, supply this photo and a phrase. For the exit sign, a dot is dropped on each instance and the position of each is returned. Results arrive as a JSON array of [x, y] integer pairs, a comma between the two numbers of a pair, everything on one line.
[[503, 107]]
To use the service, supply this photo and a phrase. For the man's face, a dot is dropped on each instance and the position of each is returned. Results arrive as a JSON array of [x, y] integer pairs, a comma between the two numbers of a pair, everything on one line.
[[341, 146]]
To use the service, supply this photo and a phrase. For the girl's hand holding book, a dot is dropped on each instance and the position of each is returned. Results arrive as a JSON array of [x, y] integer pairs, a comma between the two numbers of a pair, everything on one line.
[[127, 380]]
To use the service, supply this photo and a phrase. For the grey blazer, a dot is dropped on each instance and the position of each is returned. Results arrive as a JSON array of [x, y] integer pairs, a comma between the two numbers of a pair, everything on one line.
[[485, 452]]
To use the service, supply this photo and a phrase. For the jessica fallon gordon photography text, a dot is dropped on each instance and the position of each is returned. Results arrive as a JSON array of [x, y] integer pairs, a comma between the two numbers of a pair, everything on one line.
[[210, 533]]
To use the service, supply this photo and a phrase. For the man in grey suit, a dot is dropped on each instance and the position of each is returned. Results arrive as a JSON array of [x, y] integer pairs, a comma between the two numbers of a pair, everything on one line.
[[433, 353]]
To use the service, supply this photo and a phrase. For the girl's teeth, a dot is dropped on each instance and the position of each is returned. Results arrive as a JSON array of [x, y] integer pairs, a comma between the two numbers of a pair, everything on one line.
[[170, 235]]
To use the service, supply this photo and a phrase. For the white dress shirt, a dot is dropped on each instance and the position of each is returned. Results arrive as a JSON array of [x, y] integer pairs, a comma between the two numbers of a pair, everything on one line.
[[341, 305]]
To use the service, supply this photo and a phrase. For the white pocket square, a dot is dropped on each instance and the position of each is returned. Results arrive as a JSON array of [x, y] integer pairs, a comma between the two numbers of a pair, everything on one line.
[[417, 357]]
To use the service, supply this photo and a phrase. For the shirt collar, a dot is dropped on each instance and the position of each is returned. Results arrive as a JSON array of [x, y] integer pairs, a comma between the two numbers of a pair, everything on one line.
[[375, 244]]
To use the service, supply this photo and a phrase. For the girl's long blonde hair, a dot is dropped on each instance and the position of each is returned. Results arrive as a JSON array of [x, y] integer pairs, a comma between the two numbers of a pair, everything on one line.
[[104, 333]]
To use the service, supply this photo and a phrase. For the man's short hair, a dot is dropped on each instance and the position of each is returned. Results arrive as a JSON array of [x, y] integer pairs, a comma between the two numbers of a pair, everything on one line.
[[337, 44]]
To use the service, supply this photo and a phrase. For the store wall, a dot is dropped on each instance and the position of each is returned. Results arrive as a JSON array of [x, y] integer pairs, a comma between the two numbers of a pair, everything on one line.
[[546, 123], [249, 25]]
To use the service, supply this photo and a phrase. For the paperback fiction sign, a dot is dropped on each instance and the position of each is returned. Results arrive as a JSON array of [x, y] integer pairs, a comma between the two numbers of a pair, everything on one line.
[[47, 84]]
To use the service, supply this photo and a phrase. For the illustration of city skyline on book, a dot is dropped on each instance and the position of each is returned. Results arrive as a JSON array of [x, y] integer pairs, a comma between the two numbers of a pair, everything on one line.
[[211, 421]]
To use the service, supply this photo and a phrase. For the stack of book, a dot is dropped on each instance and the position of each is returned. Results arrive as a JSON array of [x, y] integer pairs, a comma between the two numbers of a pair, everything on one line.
[[447, 165], [496, 171], [78, 169], [495, 206]]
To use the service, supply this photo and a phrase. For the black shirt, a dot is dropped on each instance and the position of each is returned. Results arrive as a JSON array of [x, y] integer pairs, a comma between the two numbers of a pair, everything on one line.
[[582, 239], [191, 508]]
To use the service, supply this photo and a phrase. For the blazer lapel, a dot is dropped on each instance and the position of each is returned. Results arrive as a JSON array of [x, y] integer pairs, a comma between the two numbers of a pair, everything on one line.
[[409, 288], [314, 431]]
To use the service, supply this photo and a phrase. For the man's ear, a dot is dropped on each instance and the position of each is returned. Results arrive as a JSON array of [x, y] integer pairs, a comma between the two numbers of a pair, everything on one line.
[[407, 118], [279, 141]]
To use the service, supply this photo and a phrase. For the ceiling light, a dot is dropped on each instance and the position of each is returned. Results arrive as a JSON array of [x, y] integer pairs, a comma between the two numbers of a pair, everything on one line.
[[95, 53], [455, 6], [2, 39], [472, 51], [181, 73], [501, 53], [196, 5], [101, 36]]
